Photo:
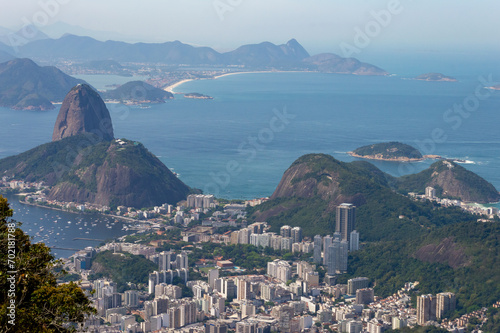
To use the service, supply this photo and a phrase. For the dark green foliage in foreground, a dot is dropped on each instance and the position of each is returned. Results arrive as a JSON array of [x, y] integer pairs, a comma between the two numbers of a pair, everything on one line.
[[389, 150], [41, 305], [122, 268]]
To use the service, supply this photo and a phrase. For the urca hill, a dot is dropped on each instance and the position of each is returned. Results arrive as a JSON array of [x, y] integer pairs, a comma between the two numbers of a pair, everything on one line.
[[84, 163], [315, 184]]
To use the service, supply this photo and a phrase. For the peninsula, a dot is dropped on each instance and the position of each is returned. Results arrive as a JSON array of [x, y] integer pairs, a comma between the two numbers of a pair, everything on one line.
[[391, 151]]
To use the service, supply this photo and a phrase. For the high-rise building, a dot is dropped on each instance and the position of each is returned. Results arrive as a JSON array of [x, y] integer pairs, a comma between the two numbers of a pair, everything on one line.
[[297, 234], [430, 192], [317, 249], [337, 257], [216, 327], [445, 302], [131, 298], [213, 275], [426, 308], [354, 241], [365, 296], [164, 260], [327, 241], [357, 283], [228, 288], [345, 220], [286, 231], [182, 260], [280, 270], [242, 288]]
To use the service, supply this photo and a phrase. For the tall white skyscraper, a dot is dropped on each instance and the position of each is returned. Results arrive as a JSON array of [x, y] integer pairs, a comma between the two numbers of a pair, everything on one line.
[[337, 257], [354, 241], [317, 248], [164, 260], [327, 241], [345, 220], [182, 260], [297, 234]]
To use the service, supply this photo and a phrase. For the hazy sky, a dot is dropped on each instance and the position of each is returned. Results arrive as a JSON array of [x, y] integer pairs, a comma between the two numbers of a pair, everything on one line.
[[319, 25]]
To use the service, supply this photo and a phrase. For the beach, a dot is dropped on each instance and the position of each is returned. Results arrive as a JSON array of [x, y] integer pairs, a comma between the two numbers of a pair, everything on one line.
[[171, 87]]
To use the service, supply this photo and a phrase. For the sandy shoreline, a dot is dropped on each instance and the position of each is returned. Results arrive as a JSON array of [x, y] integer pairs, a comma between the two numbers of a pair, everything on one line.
[[171, 87]]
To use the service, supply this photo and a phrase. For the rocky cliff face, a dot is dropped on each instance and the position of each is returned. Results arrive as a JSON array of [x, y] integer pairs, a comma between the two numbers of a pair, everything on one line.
[[451, 181], [83, 111], [446, 252], [84, 164], [119, 173], [316, 176]]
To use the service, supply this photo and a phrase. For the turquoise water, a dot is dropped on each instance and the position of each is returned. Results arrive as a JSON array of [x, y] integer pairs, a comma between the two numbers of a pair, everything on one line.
[[234, 146]]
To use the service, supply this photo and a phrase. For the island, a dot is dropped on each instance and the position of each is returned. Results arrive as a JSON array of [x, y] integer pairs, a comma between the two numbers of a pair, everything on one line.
[[437, 77], [137, 93], [391, 151], [197, 96]]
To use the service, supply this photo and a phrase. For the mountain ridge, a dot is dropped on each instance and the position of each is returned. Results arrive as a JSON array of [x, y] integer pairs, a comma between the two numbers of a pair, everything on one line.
[[288, 56], [25, 85], [315, 184]]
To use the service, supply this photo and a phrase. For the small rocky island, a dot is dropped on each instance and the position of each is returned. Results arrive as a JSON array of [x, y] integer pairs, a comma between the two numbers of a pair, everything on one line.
[[390, 151], [197, 96], [437, 77]]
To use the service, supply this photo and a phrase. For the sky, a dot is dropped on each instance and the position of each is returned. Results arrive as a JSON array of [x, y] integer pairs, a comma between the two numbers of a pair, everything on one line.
[[341, 26]]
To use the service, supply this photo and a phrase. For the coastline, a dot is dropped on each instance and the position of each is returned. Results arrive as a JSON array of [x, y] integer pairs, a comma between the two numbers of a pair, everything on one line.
[[171, 87], [128, 219], [398, 159]]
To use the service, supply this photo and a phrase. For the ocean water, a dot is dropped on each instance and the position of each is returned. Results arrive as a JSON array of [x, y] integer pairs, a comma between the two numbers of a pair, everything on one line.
[[65, 232], [239, 144]]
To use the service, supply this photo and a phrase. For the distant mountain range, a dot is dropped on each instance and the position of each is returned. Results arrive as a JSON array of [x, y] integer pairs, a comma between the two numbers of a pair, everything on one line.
[[25, 85], [266, 55]]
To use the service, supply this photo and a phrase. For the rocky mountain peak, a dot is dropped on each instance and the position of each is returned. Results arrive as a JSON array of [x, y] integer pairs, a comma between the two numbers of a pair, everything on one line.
[[83, 111]]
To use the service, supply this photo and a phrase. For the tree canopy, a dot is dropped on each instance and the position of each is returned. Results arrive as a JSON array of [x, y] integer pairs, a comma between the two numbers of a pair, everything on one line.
[[30, 298]]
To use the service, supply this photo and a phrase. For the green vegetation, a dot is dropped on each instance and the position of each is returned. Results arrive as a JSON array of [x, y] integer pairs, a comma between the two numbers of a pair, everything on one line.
[[40, 304], [435, 77], [122, 268], [389, 150], [25, 85], [379, 207], [393, 228], [493, 323], [138, 91], [475, 283], [470, 185], [80, 167]]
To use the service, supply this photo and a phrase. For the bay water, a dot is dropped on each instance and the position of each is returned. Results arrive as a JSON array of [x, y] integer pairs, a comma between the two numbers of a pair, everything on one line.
[[239, 144]]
